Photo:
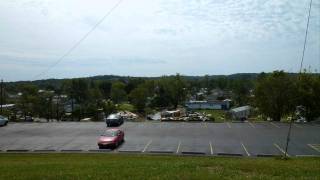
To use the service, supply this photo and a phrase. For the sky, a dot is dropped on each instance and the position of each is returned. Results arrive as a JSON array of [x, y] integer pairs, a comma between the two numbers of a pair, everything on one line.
[[154, 38]]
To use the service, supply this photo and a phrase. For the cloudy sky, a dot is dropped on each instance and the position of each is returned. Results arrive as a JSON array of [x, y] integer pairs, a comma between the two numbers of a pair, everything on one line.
[[155, 37]]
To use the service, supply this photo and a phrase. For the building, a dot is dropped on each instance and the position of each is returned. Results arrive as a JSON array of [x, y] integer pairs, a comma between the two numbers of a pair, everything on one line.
[[214, 104], [240, 113], [217, 94]]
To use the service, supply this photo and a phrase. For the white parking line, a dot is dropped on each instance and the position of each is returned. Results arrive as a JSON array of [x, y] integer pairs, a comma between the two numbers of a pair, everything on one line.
[[228, 124], [252, 125], [211, 149], [178, 147], [147, 145], [315, 147], [274, 125], [245, 149], [280, 149]]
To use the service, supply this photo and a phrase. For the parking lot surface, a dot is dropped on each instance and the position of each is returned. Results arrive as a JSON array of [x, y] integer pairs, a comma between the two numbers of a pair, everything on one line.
[[198, 138]]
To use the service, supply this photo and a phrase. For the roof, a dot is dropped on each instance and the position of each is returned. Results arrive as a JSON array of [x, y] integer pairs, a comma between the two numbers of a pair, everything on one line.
[[7, 105], [242, 108]]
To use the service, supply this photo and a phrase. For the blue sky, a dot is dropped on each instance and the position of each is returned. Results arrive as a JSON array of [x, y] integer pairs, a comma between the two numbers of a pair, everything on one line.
[[153, 38]]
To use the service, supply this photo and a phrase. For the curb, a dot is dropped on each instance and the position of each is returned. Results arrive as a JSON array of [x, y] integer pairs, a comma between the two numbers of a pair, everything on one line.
[[229, 154], [17, 150]]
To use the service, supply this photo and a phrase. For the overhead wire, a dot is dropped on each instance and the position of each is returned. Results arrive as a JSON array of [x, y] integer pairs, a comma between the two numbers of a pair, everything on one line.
[[69, 51], [305, 38]]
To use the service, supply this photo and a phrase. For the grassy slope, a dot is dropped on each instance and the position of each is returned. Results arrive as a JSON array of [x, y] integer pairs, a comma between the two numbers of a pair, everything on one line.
[[102, 166]]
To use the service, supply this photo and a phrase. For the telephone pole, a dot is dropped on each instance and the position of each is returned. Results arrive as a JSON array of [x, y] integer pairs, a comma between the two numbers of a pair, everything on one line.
[[1, 96], [300, 71]]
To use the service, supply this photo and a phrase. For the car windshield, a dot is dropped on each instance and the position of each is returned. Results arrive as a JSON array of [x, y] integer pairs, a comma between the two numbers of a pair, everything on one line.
[[110, 133], [113, 116], [1, 117]]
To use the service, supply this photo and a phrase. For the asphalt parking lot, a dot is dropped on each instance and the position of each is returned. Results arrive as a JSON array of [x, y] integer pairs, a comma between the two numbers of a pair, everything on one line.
[[199, 138]]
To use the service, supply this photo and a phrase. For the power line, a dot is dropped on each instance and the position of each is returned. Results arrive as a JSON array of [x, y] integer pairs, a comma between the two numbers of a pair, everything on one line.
[[305, 38], [79, 42], [301, 64]]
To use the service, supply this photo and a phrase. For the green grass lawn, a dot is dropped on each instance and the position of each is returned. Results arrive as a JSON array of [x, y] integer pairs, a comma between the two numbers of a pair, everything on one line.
[[218, 115], [115, 166]]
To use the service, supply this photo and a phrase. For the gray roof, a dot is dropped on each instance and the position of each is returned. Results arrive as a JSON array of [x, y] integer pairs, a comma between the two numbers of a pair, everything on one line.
[[242, 108]]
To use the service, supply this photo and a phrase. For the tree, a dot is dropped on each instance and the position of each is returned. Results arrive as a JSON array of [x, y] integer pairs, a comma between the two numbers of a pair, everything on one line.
[[308, 94], [118, 93], [109, 107], [274, 95], [138, 98], [177, 90], [105, 88], [28, 99], [241, 91]]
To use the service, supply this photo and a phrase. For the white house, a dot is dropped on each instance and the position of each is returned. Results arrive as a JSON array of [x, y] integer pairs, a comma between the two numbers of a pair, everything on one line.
[[240, 113], [218, 105]]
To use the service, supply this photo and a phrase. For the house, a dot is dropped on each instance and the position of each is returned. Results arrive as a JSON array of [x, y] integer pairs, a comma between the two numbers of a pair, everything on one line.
[[7, 106], [213, 104], [240, 113], [217, 94]]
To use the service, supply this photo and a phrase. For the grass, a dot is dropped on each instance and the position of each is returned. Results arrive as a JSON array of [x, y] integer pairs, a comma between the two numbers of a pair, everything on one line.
[[113, 166], [218, 115]]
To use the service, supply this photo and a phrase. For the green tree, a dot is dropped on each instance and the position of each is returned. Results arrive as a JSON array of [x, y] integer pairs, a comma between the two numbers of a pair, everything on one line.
[[177, 89], [105, 88], [109, 107], [118, 93], [274, 95], [138, 98], [241, 91], [28, 100], [308, 94]]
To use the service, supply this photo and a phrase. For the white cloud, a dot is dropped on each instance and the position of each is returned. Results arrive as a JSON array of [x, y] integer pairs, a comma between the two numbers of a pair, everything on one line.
[[190, 37]]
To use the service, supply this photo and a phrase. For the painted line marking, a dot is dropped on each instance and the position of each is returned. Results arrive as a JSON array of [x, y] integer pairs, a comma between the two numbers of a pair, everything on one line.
[[297, 126], [211, 149], [315, 147], [229, 126], [178, 148], [274, 125], [245, 149], [280, 149], [147, 145], [252, 125]]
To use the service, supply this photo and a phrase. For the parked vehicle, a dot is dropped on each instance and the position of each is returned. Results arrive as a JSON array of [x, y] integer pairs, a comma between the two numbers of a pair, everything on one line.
[[26, 119], [112, 138], [114, 119], [3, 121]]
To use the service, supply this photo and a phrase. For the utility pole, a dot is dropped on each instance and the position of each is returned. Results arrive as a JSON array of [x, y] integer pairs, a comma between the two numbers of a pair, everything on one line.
[[58, 99], [301, 65], [1, 96], [72, 106], [288, 138]]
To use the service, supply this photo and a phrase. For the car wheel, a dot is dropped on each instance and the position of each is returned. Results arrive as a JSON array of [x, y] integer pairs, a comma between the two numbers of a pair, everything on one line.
[[5, 123]]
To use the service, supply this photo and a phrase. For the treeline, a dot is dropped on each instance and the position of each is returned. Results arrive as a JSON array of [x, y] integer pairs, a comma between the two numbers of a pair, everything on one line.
[[278, 94], [275, 94]]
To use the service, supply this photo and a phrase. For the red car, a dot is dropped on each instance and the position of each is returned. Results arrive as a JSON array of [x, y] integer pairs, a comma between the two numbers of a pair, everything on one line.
[[111, 138]]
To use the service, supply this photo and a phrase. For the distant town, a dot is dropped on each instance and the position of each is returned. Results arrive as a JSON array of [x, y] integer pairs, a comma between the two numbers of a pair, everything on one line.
[[276, 96]]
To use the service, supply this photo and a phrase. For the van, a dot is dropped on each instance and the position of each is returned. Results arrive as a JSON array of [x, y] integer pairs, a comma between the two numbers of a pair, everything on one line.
[[114, 120]]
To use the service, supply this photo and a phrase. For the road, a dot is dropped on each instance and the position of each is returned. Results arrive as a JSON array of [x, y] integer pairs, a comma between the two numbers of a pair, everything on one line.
[[201, 138]]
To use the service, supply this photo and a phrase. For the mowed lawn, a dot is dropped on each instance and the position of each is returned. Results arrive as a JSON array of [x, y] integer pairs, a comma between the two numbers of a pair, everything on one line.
[[124, 166]]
